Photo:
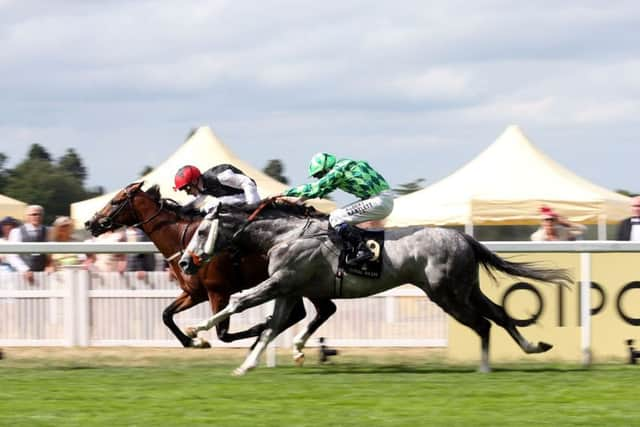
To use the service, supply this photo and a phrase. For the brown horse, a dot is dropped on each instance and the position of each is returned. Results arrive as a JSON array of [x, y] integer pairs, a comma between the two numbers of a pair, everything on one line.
[[227, 273]]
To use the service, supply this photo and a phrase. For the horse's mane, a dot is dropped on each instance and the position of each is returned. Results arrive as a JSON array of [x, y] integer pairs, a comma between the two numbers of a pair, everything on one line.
[[278, 208], [169, 204]]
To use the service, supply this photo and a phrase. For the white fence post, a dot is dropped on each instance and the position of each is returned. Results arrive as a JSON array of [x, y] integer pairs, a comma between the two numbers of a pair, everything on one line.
[[81, 283], [390, 308], [70, 305], [585, 306]]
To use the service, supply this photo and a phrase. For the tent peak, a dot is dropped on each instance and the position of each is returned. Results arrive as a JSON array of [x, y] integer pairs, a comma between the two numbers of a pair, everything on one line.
[[513, 134]]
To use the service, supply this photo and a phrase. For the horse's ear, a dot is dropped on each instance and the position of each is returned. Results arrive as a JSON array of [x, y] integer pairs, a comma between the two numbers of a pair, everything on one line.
[[134, 186], [154, 191]]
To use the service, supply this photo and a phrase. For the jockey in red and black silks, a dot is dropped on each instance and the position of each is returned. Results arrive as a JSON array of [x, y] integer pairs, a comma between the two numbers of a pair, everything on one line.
[[226, 185]]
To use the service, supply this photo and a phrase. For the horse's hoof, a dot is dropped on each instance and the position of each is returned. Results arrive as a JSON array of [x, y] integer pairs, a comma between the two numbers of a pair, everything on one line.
[[484, 369], [201, 343], [191, 332], [238, 372], [544, 346], [299, 359]]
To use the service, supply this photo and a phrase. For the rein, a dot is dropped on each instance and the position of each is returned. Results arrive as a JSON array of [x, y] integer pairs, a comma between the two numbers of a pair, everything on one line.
[[108, 221], [259, 209]]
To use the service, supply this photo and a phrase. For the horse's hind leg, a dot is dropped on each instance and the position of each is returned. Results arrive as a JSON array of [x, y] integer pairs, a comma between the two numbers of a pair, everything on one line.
[[278, 322], [497, 313], [324, 310], [469, 316]]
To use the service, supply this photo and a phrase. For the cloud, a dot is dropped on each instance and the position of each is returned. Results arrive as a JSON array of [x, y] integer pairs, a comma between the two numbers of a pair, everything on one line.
[[299, 76]]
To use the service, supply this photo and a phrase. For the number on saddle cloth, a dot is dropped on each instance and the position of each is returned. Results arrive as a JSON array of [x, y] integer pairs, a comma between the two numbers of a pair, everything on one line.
[[374, 239]]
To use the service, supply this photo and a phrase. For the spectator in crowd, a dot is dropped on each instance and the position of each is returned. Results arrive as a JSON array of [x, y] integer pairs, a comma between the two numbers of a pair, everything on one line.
[[31, 231], [554, 227], [61, 231], [107, 262], [7, 224], [629, 229], [140, 263]]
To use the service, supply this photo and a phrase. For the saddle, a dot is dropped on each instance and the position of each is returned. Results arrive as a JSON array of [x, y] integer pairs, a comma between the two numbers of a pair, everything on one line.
[[374, 239]]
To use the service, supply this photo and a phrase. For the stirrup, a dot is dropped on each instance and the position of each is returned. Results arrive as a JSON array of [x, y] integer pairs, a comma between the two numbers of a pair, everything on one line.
[[361, 256]]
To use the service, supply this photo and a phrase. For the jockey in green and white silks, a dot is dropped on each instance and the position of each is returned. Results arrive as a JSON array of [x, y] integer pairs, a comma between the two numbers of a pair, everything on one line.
[[352, 176]]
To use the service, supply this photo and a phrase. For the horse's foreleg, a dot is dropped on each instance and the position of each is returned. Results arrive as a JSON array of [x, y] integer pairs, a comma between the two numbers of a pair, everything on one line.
[[324, 310], [183, 302], [218, 302], [265, 291], [297, 314], [279, 322]]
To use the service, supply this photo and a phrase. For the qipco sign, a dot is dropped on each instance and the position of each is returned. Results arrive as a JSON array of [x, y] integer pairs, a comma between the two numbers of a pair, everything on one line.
[[540, 304]]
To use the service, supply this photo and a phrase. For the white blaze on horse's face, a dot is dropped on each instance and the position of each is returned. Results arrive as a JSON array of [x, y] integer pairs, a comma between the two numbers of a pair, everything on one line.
[[212, 237]]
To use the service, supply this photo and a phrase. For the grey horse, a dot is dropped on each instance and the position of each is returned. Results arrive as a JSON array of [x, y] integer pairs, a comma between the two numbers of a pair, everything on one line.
[[303, 258]]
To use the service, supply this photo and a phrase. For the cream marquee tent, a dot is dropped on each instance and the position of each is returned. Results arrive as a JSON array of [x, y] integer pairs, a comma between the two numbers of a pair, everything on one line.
[[204, 150], [11, 207], [507, 184]]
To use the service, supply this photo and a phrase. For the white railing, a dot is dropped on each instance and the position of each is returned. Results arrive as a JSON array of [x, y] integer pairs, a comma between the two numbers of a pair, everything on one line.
[[77, 308]]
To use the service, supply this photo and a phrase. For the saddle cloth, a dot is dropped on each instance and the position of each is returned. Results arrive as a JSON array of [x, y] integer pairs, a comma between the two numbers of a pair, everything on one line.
[[374, 239]]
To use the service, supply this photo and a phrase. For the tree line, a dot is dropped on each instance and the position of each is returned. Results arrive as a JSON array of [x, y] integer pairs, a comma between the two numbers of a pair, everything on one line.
[[42, 180]]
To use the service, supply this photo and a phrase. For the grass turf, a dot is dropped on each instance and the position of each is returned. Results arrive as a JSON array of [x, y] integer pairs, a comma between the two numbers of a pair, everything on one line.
[[174, 387]]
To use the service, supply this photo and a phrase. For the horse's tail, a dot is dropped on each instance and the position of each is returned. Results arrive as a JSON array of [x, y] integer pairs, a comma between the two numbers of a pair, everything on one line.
[[530, 270]]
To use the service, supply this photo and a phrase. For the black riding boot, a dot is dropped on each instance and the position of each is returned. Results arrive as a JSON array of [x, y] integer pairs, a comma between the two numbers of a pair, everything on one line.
[[352, 239]]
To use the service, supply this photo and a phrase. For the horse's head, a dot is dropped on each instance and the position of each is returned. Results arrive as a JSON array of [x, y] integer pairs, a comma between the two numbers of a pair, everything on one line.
[[123, 209]]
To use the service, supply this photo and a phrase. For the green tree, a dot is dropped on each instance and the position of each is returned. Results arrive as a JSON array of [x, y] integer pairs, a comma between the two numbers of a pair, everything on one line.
[[72, 164], [409, 187], [4, 173], [192, 131], [38, 152], [627, 193], [147, 169], [275, 170], [37, 180]]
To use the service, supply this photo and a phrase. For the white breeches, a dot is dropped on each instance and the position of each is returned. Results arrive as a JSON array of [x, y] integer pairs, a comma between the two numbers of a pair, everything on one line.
[[375, 208]]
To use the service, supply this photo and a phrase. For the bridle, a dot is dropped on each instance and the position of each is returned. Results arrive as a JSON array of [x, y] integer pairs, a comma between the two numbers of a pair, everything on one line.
[[109, 222]]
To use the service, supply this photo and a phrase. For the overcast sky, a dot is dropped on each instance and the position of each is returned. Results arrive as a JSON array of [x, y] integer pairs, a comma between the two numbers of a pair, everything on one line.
[[418, 88]]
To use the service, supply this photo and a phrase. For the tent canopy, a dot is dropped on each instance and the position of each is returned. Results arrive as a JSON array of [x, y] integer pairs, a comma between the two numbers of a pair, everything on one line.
[[507, 184], [12, 207], [204, 150]]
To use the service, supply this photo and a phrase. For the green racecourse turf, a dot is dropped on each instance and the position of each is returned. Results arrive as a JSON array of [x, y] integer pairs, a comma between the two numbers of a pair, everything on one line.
[[176, 387]]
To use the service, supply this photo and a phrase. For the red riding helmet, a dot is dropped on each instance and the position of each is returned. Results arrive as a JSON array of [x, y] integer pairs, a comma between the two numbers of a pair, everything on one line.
[[186, 175]]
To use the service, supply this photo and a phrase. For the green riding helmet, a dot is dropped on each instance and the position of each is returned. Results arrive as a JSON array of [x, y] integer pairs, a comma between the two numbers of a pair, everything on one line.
[[321, 162]]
